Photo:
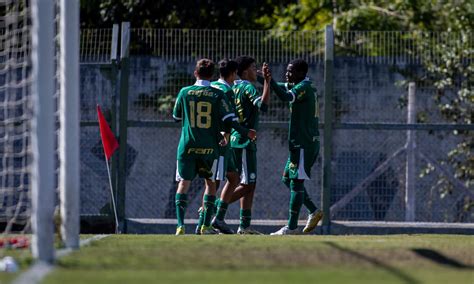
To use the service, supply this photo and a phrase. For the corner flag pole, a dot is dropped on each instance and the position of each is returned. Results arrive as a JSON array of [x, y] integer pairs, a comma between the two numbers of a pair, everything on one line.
[[110, 144], [112, 194]]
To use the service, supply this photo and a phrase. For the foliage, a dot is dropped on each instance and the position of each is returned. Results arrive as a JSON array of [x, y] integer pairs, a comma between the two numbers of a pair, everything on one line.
[[447, 56], [200, 14]]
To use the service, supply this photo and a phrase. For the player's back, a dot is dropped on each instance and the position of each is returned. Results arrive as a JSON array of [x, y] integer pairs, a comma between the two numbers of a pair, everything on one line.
[[200, 108]]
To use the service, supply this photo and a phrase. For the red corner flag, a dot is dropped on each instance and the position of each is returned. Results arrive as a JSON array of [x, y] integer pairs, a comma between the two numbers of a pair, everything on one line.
[[108, 139]]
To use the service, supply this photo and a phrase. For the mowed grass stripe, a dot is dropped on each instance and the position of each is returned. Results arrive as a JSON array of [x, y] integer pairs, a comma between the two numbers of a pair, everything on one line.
[[267, 259]]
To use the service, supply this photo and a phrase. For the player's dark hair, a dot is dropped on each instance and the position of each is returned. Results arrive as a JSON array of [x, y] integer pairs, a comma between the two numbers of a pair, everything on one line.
[[205, 68], [300, 66], [244, 63], [226, 67]]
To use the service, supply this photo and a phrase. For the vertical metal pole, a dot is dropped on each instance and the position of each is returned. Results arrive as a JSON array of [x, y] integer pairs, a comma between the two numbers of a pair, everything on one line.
[[328, 124], [113, 107], [69, 144], [123, 119], [410, 185], [43, 189]]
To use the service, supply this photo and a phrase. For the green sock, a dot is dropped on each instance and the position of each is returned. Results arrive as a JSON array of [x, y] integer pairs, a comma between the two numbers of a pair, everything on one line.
[[208, 208], [216, 204], [201, 219], [181, 204], [296, 201], [245, 218], [307, 202], [221, 210]]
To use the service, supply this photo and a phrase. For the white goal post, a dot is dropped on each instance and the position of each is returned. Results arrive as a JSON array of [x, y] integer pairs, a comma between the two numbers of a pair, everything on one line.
[[69, 117], [43, 190], [42, 130]]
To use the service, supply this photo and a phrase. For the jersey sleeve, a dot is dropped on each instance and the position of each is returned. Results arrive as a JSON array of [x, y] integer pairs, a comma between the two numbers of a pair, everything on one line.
[[299, 92], [225, 110], [254, 96], [178, 108], [281, 91]]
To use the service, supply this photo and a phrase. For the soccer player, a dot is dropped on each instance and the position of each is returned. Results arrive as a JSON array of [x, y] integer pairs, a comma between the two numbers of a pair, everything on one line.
[[248, 103], [228, 74], [200, 108], [303, 143]]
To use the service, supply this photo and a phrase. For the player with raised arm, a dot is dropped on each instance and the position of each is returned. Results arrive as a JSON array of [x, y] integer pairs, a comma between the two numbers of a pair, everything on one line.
[[303, 143], [200, 108], [248, 103]]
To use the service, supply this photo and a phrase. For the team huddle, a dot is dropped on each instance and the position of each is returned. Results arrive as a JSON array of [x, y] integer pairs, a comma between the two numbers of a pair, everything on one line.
[[218, 141]]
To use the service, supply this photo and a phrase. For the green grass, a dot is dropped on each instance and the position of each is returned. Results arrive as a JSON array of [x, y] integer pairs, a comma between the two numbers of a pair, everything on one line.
[[266, 259], [23, 258]]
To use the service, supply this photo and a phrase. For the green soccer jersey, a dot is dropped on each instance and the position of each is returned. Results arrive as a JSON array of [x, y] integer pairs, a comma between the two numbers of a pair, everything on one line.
[[248, 102], [229, 99], [304, 118], [201, 110], [227, 89]]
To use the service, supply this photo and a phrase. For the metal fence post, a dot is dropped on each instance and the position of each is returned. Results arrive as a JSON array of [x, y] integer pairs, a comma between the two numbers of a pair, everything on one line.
[[123, 119], [410, 163], [328, 125], [113, 106]]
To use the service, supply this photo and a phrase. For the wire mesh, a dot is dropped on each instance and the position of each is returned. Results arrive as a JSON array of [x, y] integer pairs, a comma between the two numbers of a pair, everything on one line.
[[368, 90], [15, 115]]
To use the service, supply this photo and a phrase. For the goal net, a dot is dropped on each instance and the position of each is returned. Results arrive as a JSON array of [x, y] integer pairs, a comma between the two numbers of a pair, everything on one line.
[[36, 157], [16, 113]]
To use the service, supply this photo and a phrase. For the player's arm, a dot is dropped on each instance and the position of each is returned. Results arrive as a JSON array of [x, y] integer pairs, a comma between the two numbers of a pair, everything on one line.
[[178, 108], [231, 121], [279, 89], [266, 85], [259, 101]]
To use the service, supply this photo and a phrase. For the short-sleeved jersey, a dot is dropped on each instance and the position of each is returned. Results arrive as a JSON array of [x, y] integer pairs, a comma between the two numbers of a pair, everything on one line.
[[201, 110], [226, 89], [229, 99], [304, 118], [248, 101]]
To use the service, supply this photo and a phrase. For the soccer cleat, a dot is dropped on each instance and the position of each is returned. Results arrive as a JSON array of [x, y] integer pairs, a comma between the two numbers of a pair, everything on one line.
[[313, 220], [221, 226], [285, 231], [208, 230], [180, 230], [248, 231]]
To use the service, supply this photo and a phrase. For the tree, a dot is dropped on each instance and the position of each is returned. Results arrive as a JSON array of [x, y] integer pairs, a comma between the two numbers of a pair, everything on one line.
[[448, 66], [192, 14]]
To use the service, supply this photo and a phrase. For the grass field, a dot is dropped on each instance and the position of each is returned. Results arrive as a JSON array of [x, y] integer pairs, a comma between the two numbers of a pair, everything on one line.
[[266, 259]]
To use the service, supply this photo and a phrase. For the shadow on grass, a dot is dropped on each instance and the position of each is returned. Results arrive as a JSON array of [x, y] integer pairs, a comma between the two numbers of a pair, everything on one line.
[[392, 270], [440, 259]]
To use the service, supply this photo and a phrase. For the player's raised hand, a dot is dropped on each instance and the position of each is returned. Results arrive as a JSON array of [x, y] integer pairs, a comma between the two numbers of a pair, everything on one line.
[[252, 135], [267, 74]]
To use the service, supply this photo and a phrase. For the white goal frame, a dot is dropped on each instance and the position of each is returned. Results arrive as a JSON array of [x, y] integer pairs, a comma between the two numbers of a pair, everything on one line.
[[43, 135]]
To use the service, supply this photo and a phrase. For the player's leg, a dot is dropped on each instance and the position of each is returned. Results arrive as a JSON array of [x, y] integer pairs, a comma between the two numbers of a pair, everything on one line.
[[248, 180], [185, 172], [296, 176], [307, 202], [232, 181], [315, 215], [220, 176], [208, 171]]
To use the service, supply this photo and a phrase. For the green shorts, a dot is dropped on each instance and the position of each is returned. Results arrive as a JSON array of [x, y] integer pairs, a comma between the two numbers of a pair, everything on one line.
[[225, 163], [299, 164], [187, 169], [245, 161]]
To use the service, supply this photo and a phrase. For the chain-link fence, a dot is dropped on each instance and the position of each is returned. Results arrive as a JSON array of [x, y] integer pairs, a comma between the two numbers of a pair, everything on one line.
[[368, 160]]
